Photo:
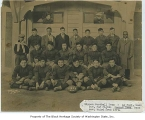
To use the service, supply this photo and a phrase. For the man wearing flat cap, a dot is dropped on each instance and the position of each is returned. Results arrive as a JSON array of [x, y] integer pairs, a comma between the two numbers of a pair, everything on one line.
[[20, 49], [98, 19]]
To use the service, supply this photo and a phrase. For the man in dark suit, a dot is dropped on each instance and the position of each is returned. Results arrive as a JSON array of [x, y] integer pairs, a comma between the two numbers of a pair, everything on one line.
[[101, 40], [87, 40], [61, 38]]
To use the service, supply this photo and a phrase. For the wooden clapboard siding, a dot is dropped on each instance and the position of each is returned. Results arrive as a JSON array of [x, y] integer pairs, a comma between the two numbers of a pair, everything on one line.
[[98, 25], [41, 25], [95, 34], [117, 26], [55, 27], [74, 21], [73, 25], [73, 18], [70, 34]]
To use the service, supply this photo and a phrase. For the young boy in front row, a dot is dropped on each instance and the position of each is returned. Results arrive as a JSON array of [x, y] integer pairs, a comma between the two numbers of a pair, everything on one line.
[[114, 74], [22, 74], [42, 74], [96, 78], [60, 76]]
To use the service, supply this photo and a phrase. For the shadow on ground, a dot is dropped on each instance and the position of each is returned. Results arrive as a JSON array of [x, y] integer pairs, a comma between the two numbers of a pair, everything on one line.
[[61, 101]]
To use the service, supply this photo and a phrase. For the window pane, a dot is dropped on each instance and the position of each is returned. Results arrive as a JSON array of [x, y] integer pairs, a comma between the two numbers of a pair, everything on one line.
[[89, 17], [57, 17]]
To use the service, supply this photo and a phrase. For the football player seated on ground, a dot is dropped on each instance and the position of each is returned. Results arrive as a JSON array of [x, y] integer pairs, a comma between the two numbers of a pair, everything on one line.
[[114, 76], [94, 54], [108, 54], [51, 54], [77, 74], [22, 75], [42, 76], [65, 54], [96, 78], [60, 76]]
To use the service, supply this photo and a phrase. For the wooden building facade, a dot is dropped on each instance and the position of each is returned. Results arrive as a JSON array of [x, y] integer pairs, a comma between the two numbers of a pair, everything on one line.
[[19, 18]]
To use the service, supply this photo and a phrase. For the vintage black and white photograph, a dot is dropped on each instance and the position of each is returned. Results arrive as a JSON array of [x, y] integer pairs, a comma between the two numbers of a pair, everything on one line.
[[55, 54]]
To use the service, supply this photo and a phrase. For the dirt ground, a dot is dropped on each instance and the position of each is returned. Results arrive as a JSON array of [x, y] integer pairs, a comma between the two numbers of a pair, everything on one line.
[[62, 101]]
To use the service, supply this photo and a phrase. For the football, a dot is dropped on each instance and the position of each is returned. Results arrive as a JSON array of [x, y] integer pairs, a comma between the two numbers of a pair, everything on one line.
[[72, 89]]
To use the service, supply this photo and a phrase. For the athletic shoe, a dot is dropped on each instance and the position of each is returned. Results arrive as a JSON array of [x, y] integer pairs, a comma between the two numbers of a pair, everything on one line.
[[57, 89], [89, 88]]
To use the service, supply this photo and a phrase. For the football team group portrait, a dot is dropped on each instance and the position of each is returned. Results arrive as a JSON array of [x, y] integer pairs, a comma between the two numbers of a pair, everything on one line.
[[73, 63], [57, 54]]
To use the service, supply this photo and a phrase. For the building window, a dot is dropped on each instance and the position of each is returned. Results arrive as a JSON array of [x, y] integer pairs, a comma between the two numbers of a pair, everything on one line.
[[99, 17], [88, 17], [47, 17], [58, 17]]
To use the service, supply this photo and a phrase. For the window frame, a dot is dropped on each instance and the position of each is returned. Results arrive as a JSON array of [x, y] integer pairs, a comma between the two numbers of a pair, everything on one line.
[[52, 16], [87, 13]]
